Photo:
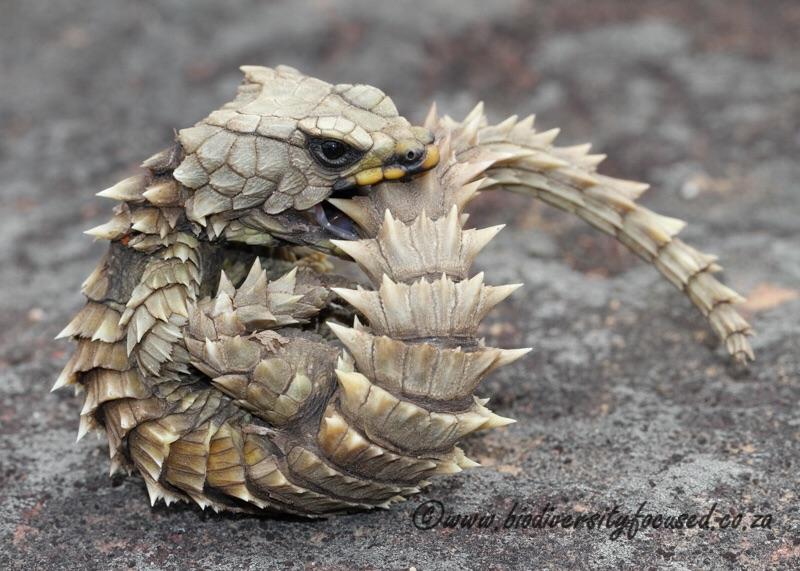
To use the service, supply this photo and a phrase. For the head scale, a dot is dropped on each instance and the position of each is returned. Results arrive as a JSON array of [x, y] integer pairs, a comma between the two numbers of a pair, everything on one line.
[[289, 141]]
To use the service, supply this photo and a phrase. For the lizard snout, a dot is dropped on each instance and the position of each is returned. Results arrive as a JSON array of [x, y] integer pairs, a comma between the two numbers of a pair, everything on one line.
[[411, 157]]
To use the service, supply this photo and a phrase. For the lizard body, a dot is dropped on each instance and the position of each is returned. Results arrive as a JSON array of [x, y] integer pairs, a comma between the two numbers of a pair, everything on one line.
[[208, 347]]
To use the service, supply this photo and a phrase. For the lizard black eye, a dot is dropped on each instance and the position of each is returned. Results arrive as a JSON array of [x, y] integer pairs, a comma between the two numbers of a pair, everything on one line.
[[333, 150], [333, 154]]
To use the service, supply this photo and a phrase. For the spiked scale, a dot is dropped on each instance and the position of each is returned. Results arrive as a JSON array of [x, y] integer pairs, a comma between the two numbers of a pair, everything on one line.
[[229, 375], [407, 380]]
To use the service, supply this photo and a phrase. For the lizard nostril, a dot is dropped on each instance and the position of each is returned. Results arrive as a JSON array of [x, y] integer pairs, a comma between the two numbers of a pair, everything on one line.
[[412, 156]]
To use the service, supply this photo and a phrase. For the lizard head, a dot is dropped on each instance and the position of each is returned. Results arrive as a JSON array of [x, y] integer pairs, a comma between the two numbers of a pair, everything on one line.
[[264, 165]]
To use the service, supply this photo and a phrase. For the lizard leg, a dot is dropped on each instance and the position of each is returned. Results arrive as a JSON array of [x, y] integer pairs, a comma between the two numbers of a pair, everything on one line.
[[247, 340], [244, 339]]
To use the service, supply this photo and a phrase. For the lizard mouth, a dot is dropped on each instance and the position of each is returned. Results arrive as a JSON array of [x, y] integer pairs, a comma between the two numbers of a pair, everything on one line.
[[397, 168], [338, 215], [335, 222], [335, 214]]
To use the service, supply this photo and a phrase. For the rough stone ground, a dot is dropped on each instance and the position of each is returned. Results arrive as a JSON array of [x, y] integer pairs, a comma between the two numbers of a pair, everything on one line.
[[625, 399]]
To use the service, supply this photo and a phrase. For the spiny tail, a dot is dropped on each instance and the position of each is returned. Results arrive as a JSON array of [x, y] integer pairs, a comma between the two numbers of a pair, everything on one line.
[[566, 178]]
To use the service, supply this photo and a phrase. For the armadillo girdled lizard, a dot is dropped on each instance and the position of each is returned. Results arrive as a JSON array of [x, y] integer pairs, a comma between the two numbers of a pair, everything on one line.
[[225, 361]]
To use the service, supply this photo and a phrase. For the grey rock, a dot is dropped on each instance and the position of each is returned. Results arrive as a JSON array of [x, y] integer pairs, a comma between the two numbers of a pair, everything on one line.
[[623, 400]]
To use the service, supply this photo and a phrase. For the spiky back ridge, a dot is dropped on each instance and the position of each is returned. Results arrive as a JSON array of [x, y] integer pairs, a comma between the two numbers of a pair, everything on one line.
[[407, 380]]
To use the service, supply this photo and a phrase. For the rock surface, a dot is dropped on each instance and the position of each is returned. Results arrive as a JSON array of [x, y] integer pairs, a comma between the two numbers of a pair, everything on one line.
[[626, 397]]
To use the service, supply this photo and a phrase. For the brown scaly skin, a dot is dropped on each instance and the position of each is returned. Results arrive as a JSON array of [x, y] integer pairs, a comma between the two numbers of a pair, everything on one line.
[[208, 354]]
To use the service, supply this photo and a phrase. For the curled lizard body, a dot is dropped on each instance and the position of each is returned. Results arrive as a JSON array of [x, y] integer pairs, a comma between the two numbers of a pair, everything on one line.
[[229, 371]]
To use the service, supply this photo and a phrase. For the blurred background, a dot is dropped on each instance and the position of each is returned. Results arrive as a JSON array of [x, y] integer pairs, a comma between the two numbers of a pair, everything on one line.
[[625, 398]]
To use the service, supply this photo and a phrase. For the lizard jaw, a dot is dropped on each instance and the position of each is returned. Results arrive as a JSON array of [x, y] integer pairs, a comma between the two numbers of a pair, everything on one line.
[[395, 169]]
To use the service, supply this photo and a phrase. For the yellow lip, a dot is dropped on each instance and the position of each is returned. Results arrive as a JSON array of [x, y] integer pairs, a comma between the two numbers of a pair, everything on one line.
[[393, 173], [431, 158], [369, 176]]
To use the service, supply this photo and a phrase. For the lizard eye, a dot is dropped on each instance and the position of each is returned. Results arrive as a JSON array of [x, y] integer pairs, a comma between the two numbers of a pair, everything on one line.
[[333, 154], [333, 150]]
